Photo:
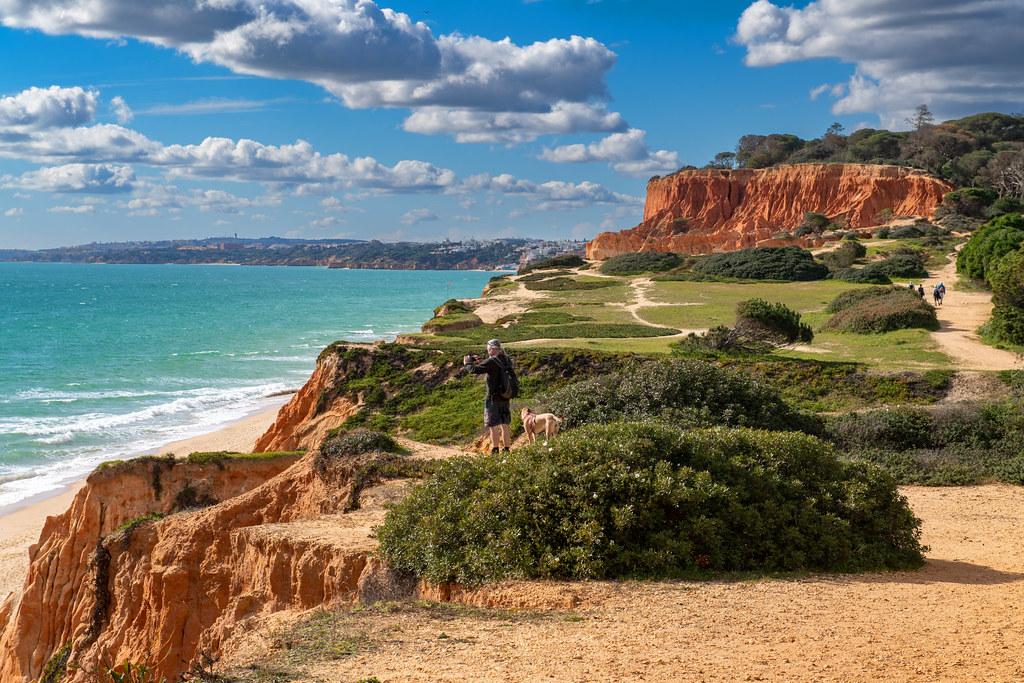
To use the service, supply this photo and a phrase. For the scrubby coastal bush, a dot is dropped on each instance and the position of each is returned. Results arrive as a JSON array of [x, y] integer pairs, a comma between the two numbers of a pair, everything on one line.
[[640, 262], [880, 309], [760, 326], [990, 243], [954, 445], [773, 322], [562, 284], [902, 265], [1007, 281], [651, 500], [871, 274], [560, 261], [767, 263], [905, 232], [687, 392], [844, 255], [852, 297]]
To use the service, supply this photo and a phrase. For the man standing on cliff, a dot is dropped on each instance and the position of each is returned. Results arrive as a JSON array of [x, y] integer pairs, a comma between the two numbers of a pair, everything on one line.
[[502, 387]]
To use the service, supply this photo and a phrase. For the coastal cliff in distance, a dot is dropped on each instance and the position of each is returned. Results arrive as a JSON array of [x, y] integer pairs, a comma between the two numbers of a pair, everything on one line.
[[712, 210]]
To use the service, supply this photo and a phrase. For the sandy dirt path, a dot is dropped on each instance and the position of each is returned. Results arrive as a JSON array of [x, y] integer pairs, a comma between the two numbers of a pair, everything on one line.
[[961, 313], [961, 618]]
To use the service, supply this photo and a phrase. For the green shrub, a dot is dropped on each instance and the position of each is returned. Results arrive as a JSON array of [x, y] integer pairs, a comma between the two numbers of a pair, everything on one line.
[[902, 265], [897, 429], [870, 274], [651, 500], [966, 443], [854, 296], [451, 323], [774, 322], [1006, 325], [560, 261], [57, 666], [1004, 205], [844, 255], [1006, 279], [905, 232], [816, 222], [453, 306], [688, 392], [767, 263], [640, 262], [883, 310], [883, 233], [563, 284], [543, 275], [990, 243], [969, 201]]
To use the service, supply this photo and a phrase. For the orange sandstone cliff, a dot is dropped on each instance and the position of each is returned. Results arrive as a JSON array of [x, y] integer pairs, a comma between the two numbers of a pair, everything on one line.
[[711, 210], [241, 538]]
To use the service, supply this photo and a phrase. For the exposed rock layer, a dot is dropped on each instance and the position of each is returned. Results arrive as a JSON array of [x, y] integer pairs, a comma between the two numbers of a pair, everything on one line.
[[711, 210], [304, 421], [58, 601]]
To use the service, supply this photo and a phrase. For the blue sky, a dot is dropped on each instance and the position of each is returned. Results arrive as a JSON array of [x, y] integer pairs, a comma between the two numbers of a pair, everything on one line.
[[419, 120]]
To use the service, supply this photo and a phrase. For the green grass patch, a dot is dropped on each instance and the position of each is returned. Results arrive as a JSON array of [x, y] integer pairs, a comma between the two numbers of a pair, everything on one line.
[[452, 322], [543, 275], [561, 284], [900, 350], [136, 522], [222, 457]]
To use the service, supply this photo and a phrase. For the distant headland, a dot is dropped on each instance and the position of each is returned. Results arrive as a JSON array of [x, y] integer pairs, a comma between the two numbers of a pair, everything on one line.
[[495, 254]]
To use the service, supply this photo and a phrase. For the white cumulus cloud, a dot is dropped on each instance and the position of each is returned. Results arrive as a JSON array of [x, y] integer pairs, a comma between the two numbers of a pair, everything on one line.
[[77, 209], [417, 216], [364, 54], [43, 108], [626, 152], [122, 112], [957, 56], [88, 178]]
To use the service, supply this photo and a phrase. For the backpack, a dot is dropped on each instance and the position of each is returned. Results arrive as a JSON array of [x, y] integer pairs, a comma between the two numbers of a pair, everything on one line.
[[509, 380]]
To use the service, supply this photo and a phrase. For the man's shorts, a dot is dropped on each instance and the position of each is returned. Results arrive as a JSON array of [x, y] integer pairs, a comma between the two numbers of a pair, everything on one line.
[[497, 413]]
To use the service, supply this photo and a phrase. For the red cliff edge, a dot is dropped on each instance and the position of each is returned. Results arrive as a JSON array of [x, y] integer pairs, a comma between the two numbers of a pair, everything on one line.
[[712, 210]]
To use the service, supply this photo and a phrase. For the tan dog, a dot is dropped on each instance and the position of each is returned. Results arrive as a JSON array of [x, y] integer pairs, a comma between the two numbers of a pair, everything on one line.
[[544, 423]]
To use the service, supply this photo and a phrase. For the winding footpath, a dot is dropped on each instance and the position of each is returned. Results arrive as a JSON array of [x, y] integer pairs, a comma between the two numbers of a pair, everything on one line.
[[961, 313]]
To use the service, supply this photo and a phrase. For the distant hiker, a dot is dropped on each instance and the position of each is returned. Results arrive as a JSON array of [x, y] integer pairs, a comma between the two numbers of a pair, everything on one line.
[[937, 295], [910, 286], [502, 387], [920, 290], [942, 290]]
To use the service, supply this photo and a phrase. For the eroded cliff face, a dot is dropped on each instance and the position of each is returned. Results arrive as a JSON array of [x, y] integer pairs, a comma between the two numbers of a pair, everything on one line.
[[59, 602], [282, 534], [710, 210], [304, 421]]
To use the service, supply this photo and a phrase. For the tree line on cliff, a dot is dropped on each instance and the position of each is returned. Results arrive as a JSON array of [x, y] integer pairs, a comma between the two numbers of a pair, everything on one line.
[[983, 150]]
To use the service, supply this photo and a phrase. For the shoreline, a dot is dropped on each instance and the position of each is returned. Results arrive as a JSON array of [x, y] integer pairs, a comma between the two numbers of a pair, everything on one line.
[[21, 525]]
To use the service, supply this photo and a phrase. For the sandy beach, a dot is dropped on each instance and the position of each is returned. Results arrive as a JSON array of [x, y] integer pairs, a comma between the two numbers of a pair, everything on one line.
[[20, 528]]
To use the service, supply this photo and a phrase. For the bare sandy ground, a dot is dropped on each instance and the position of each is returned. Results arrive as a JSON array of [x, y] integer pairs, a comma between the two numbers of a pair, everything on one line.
[[21, 528], [961, 618]]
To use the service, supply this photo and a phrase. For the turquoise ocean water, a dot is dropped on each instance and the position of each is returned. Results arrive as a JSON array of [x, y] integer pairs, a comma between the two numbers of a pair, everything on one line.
[[100, 362]]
